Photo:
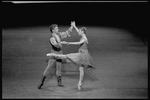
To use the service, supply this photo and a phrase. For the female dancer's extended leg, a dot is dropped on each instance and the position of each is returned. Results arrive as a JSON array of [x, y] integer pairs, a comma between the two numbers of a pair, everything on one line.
[[61, 56], [81, 69]]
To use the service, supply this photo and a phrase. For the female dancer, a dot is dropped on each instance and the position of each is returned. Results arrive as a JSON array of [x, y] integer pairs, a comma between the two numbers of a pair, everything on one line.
[[82, 58]]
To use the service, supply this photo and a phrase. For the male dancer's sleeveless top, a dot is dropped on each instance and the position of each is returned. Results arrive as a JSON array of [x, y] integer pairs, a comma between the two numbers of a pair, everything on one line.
[[53, 46]]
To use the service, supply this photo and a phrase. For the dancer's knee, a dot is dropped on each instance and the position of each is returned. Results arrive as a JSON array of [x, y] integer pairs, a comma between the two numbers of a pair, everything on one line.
[[45, 73], [58, 72]]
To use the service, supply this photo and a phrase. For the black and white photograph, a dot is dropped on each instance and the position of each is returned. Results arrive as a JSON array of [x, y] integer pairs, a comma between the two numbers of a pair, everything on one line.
[[75, 49]]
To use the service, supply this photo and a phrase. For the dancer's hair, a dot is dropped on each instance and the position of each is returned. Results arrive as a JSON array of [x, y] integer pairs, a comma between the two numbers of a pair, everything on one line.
[[52, 27], [83, 29]]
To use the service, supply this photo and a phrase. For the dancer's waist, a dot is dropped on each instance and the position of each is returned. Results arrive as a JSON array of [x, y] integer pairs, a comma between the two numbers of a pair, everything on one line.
[[56, 48]]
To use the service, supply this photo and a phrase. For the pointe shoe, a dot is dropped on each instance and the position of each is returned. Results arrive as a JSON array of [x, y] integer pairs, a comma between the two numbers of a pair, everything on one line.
[[50, 54], [79, 86]]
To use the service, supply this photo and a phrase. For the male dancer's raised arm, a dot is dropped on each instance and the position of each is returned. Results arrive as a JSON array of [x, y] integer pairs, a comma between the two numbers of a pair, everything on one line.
[[67, 33]]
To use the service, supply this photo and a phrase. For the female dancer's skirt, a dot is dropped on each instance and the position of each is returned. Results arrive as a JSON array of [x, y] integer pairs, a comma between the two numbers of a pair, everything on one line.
[[84, 59]]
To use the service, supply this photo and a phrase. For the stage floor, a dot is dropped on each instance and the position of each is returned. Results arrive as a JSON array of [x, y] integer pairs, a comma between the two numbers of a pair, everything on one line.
[[121, 59]]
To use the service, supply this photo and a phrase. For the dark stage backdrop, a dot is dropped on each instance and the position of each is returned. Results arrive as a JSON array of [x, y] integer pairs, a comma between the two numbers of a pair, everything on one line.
[[129, 15]]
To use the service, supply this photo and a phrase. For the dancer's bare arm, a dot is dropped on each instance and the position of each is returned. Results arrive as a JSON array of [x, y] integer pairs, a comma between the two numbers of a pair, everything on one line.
[[73, 24], [67, 33], [77, 43], [53, 41], [82, 40]]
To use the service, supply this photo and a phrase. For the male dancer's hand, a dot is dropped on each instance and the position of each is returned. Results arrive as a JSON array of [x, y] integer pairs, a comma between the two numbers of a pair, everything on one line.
[[67, 43], [64, 42]]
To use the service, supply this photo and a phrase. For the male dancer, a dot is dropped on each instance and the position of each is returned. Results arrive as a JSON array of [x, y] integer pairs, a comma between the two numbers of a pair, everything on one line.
[[56, 47]]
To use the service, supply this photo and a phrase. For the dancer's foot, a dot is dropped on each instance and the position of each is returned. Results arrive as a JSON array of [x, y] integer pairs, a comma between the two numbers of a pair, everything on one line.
[[50, 54], [79, 86], [61, 85], [42, 82], [59, 82], [39, 86]]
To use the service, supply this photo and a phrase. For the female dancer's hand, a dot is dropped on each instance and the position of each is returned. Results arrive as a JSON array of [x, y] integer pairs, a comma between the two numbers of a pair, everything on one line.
[[67, 43], [63, 42], [73, 23]]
